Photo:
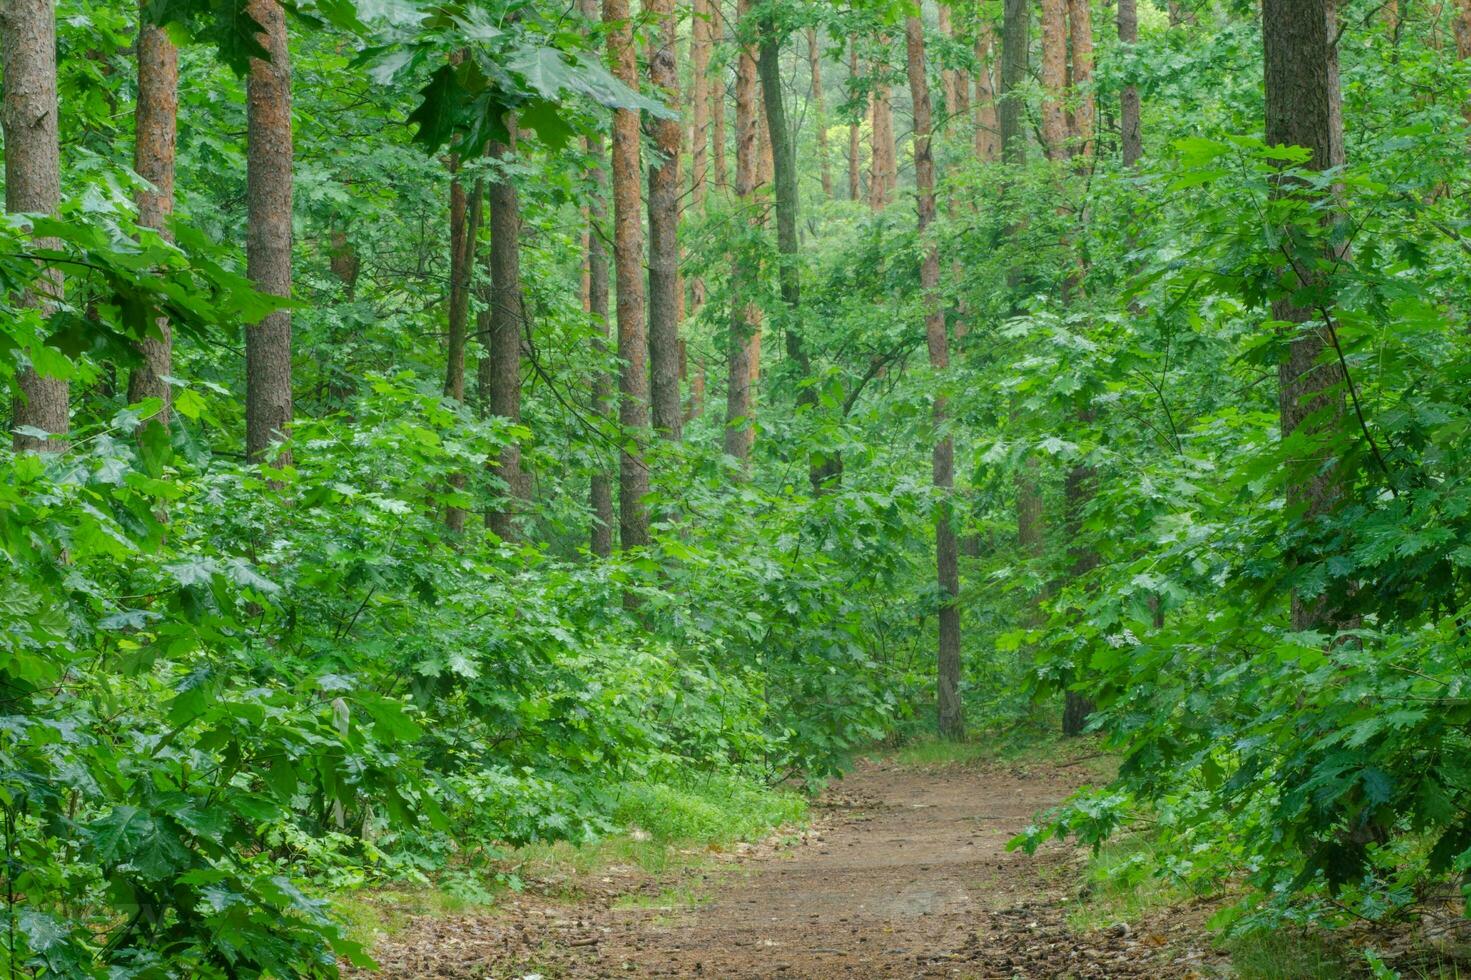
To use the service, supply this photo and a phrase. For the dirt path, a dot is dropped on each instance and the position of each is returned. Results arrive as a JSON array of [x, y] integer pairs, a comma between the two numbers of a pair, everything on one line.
[[905, 874]]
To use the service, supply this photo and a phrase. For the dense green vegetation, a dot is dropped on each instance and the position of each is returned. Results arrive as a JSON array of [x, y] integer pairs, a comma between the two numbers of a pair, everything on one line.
[[1189, 451]]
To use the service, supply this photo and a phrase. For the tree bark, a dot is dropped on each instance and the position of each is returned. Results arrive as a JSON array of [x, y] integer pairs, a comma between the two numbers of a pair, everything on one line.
[[155, 120], [718, 94], [699, 102], [1016, 32], [1084, 114], [819, 112], [1054, 77], [628, 246], [33, 185], [464, 227], [1077, 492], [950, 710], [501, 326], [988, 126], [883, 178], [664, 285], [268, 235], [1303, 109], [743, 351], [1130, 138]]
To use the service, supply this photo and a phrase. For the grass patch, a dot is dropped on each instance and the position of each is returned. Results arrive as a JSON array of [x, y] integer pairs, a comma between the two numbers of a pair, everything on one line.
[[1026, 744], [669, 827], [1121, 885]]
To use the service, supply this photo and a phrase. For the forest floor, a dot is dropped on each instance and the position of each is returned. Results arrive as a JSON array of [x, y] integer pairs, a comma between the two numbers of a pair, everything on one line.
[[902, 872]]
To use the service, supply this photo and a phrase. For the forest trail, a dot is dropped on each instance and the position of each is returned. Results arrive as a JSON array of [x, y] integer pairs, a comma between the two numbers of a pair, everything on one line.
[[904, 873]]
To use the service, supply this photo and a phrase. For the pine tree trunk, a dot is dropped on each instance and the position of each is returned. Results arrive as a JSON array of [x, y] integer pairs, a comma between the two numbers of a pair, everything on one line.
[[1130, 137], [718, 95], [819, 112], [699, 103], [1054, 77], [743, 353], [988, 126], [1303, 109], [881, 180], [33, 185], [502, 324], [156, 126], [268, 234], [628, 247], [664, 285], [950, 710], [1016, 32], [1084, 114]]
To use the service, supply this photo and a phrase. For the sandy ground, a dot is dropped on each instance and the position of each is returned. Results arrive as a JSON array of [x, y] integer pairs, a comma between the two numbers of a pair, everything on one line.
[[905, 873]]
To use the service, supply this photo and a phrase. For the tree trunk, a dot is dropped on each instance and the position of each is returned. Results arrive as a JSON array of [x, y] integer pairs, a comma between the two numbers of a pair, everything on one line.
[[600, 484], [699, 102], [1054, 77], [464, 228], [1084, 114], [501, 326], [819, 112], [745, 324], [1016, 32], [33, 185], [664, 285], [156, 126], [988, 127], [268, 235], [1303, 109], [628, 246], [718, 94], [855, 144], [1130, 137], [951, 712], [883, 178]]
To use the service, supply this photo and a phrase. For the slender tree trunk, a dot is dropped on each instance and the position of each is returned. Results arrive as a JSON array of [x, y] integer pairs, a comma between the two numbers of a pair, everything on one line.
[[718, 94], [33, 185], [628, 247], [664, 285], [883, 178], [765, 161], [1054, 77], [699, 102], [1130, 137], [1016, 32], [1084, 114], [988, 126], [464, 228], [1303, 109], [951, 712], [784, 157], [268, 234], [819, 111], [855, 143], [156, 126], [743, 354], [502, 324], [601, 487]]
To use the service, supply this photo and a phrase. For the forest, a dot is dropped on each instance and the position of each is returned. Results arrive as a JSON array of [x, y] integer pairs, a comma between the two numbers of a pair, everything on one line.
[[463, 453]]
